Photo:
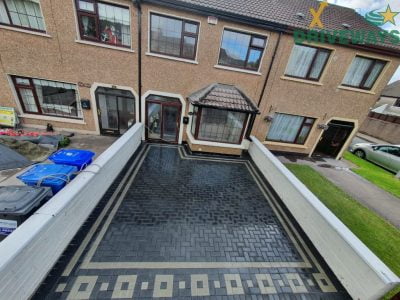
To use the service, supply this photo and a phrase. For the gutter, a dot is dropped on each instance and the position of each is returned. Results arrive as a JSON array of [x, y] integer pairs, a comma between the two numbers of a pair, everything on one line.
[[139, 15], [197, 9]]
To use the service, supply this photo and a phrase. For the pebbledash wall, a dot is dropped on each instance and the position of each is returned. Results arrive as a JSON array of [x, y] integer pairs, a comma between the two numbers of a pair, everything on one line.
[[60, 55]]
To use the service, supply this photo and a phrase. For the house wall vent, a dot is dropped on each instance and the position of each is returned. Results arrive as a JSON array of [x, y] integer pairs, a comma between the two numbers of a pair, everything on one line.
[[212, 20]]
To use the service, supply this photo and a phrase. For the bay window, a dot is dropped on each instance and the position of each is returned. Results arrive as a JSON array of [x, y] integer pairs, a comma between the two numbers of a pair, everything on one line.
[[241, 50], [216, 125], [290, 129], [104, 22], [307, 62], [363, 72], [173, 36], [22, 13], [45, 97]]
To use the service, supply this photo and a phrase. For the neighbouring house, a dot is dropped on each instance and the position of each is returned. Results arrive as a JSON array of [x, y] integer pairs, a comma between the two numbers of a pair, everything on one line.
[[389, 102], [206, 73], [383, 122]]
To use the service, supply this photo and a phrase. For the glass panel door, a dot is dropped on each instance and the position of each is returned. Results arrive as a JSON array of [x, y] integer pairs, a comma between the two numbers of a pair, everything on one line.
[[126, 111], [154, 120], [170, 123], [108, 111]]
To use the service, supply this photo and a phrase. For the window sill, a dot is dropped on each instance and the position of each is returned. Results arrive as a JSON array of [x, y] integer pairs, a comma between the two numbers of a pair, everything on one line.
[[172, 58], [243, 145], [301, 80], [43, 34], [104, 46], [355, 90], [284, 145], [50, 118], [237, 70]]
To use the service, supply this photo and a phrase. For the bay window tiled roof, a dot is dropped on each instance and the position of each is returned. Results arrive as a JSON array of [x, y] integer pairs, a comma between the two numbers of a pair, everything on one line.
[[223, 96]]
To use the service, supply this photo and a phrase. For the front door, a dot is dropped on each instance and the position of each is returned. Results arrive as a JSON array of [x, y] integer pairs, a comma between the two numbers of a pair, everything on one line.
[[116, 110], [163, 119], [334, 138]]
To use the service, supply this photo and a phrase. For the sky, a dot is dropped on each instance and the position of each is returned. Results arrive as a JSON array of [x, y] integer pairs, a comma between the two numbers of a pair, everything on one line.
[[365, 6]]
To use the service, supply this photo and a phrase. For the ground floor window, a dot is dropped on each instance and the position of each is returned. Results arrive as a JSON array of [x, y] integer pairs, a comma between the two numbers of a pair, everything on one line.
[[290, 129], [216, 125], [45, 97]]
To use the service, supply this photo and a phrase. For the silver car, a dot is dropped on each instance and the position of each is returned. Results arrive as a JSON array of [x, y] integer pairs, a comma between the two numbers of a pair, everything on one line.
[[386, 156]]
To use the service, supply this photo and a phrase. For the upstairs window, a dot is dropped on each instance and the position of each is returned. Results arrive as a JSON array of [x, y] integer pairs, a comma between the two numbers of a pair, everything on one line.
[[307, 62], [290, 129], [104, 23], [22, 13], [174, 37], [241, 50], [44, 97], [363, 72]]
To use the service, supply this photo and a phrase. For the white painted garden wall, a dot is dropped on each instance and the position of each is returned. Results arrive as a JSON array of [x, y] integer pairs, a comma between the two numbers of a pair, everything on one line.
[[360, 271], [29, 253]]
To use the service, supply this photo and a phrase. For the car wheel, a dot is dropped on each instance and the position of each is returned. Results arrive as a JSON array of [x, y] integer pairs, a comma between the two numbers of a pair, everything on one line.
[[360, 153]]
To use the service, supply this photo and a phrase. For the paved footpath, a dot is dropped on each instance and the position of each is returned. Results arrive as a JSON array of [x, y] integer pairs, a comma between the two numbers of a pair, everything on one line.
[[368, 194]]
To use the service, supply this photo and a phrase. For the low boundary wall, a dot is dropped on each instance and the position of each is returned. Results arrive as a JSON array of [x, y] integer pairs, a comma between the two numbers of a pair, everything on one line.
[[360, 271], [29, 253]]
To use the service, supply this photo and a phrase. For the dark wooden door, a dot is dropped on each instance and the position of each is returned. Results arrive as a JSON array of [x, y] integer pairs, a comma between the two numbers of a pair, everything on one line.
[[334, 138]]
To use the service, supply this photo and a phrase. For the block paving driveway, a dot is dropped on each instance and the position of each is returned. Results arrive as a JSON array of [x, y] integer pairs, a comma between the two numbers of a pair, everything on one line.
[[181, 226]]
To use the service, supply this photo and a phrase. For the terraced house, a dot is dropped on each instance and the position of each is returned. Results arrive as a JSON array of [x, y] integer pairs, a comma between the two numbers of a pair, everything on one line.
[[207, 73]]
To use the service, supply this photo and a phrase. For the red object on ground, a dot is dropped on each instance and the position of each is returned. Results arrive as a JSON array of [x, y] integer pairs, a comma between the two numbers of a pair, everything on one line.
[[10, 132]]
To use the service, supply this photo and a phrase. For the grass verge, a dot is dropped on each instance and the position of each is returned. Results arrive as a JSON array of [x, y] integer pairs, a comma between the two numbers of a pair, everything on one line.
[[376, 233], [378, 176]]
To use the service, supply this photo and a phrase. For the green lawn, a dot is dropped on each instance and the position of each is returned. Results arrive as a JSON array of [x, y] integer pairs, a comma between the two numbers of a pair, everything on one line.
[[378, 176], [379, 236]]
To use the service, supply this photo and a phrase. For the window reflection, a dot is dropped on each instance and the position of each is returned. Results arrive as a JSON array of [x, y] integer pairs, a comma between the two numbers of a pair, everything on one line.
[[241, 50]]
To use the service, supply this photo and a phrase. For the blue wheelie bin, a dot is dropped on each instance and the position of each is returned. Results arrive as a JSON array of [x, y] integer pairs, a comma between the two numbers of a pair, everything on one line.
[[73, 157], [50, 175]]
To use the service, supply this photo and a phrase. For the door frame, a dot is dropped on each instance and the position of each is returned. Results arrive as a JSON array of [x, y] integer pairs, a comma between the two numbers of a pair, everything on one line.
[[165, 94], [163, 104], [93, 88], [349, 139], [111, 131]]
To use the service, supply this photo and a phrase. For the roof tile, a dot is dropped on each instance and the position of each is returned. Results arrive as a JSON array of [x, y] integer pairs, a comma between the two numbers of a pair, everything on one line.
[[223, 96]]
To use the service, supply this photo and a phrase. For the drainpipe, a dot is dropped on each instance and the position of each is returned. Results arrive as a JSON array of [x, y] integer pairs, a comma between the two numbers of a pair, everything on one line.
[[253, 117], [139, 28], [269, 70]]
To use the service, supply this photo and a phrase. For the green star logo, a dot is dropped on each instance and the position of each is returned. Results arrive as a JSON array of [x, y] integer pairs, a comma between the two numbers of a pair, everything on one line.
[[381, 18]]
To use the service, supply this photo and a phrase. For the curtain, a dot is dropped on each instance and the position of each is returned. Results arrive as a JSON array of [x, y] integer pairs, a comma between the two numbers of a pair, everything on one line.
[[28, 99], [221, 125], [300, 61], [3, 13], [357, 70], [376, 70], [284, 128], [319, 64]]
